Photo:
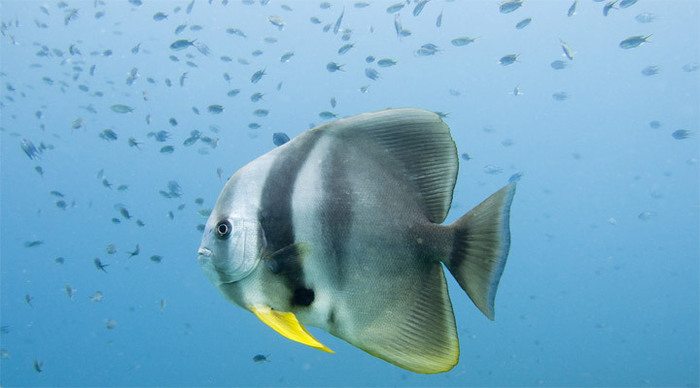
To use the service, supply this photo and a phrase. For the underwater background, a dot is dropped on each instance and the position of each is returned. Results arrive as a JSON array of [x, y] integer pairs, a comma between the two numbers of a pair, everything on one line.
[[116, 140]]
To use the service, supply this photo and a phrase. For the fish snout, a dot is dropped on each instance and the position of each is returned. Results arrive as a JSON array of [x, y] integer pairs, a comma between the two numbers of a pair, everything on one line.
[[204, 251]]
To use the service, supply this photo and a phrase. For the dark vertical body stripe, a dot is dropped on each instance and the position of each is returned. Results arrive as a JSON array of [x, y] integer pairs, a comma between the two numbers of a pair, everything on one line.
[[336, 211], [275, 214]]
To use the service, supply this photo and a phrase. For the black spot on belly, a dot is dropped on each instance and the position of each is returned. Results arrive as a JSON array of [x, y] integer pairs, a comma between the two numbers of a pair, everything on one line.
[[303, 297]]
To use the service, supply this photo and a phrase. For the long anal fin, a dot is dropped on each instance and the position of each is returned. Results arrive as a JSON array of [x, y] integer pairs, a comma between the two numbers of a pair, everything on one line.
[[287, 324], [416, 330]]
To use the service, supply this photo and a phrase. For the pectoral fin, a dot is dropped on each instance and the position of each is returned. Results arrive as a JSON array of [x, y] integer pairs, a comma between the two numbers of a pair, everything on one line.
[[287, 325]]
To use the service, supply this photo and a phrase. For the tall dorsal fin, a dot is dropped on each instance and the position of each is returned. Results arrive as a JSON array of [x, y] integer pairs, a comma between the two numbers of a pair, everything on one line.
[[421, 144]]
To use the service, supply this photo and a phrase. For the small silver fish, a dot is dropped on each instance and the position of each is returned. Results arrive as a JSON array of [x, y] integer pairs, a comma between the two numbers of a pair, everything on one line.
[[610, 5], [257, 76], [286, 56], [386, 62], [261, 358], [345, 48], [523, 23], [70, 291], [276, 21], [568, 52], [97, 296], [135, 252], [100, 266], [634, 41], [181, 44], [510, 6], [462, 41], [333, 67], [121, 108], [508, 59]]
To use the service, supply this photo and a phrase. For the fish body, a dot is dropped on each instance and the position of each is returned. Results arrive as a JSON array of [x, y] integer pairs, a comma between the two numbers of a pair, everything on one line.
[[634, 41], [397, 25], [134, 143], [419, 7], [97, 296], [608, 6], [30, 149], [386, 62], [276, 21], [70, 291], [338, 22], [215, 109], [568, 52], [286, 56], [395, 7], [108, 135], [345, 48], [508, 59], [326, 115], [33, 244], [645, 17], [372, 74], [427, 50], [100, 266], [560, 96], [510, 6], [279, 138], [523, 23], [681, 134], [341, 229], [135, 252], [333, 67], [181, 44], [120, 108], [572, 9], [257, 76], [651, 70], [558, 64]]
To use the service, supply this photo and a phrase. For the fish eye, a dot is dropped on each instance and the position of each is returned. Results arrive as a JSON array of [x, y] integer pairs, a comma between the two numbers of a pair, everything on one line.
[[223, 229]]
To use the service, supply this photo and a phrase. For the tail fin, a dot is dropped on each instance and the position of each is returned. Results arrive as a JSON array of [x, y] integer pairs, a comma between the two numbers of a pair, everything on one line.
[[480, 248]]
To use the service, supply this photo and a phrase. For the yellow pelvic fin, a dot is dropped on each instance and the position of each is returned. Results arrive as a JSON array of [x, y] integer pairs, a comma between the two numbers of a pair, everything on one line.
[[288, 326]]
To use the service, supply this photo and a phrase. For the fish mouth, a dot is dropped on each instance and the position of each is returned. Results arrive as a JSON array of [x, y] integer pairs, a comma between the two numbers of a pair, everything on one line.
[[204, 256], [216, 275], [202, 251]]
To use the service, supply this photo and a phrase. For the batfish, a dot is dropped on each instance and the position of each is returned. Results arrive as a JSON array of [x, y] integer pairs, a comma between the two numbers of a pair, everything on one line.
[[341, 229]]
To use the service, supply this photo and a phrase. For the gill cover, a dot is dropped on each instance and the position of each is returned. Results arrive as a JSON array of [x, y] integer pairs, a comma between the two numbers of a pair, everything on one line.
[[235, 257]]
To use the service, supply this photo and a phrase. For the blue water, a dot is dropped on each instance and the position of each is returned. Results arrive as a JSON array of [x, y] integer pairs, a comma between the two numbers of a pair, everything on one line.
[[601, 285]]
